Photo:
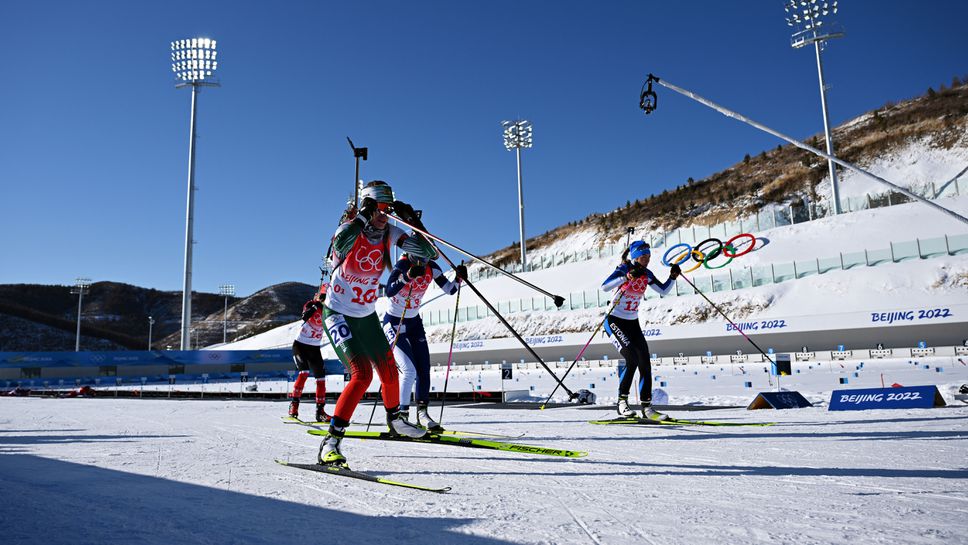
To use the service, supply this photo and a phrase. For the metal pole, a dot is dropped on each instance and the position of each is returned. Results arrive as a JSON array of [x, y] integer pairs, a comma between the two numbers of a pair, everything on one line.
[[80, 297], [151, 322], [225, 320], [834, 187], [524, 259], [356, 181], [189, 222]]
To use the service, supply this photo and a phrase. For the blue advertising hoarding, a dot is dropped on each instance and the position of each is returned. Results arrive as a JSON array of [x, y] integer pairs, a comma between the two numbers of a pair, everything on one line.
[[910, 397]]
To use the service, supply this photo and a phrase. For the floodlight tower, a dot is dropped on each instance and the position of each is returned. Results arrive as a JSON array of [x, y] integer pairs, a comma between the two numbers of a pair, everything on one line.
[[807, 17], [226, 290], [81, 286], [518, 136], [193, 61], [151, 324]]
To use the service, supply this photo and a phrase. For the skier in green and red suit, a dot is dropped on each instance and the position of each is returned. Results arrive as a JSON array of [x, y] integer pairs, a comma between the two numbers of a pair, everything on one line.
[[360, 254]]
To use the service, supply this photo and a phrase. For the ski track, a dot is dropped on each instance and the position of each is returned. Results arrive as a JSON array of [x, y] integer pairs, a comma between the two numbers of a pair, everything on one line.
[[815, 477]]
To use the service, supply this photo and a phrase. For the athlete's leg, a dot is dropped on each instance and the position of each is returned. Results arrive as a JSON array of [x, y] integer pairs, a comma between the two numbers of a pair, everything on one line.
[[421, 358], [402, 354]]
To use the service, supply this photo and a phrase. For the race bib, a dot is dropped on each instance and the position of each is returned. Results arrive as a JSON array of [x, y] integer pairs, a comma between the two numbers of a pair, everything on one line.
[[390, 331], [339, 330]]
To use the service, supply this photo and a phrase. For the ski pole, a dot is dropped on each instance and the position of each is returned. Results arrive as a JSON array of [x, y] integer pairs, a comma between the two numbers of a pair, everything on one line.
[[559, 300], [618, 296], [736, 327], [450, 356], [392, 346], [526, 346]]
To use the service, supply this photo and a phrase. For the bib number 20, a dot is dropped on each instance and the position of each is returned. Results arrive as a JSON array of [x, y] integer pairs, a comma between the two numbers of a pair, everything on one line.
[[339, 331]]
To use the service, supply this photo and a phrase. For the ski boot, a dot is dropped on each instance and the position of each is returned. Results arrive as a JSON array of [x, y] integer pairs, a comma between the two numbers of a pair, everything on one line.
[[423, 419], [651, 414], [329, 453], [399, 425], [623, 406], [321, 415], [294, 407]]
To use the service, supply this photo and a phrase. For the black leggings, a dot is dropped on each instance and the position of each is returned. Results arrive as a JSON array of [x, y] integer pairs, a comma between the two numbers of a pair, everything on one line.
[[628, 338], [307, 358]]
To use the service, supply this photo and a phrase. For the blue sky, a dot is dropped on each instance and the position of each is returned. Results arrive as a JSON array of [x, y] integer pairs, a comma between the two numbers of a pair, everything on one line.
[[94, 136]]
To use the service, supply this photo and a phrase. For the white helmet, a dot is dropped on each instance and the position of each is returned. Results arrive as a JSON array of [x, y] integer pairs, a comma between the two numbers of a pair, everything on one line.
[[379, 191]]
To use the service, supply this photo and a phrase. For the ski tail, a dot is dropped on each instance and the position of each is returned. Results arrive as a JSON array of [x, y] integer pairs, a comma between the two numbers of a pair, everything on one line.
[[347, 472]]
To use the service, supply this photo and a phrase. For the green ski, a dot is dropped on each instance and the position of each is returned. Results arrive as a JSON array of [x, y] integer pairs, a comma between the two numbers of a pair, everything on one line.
[[459, 442], [347, 472], [635, 421], [462, 433]]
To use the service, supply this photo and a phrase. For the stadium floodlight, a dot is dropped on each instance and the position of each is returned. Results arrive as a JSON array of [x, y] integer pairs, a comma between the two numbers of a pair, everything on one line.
[[151, 323], [226, 291], [518, 135], [194, 62], [81, 286], [808, 18]]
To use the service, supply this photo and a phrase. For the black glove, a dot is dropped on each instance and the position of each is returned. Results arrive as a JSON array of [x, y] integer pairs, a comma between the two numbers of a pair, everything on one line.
[[406, 212], [674, 272], [636, 271], [416, 270], [310, 308], [367, 208], [461, 272]]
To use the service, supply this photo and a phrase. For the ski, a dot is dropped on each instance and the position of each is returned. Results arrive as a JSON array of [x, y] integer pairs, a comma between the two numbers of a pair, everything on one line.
[[462, 433], [634, 421], [459, 442], [347, 472], [301, 422]]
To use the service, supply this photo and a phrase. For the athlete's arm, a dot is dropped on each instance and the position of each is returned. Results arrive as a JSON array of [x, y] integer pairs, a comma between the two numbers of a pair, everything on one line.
[[616, 279], [449, 287], [398, 277], [660, 287]]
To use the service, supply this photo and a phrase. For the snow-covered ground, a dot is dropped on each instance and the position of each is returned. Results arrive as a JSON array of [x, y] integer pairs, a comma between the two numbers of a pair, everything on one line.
[[163, 472]]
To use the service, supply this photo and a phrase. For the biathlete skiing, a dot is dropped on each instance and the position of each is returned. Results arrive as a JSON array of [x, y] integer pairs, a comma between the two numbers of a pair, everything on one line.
[[308, 357], [631, 278], [406, 288], [360, 254]]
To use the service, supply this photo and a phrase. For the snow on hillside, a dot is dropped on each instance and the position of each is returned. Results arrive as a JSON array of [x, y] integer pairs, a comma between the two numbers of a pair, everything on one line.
[[916, 165], [914, 282]]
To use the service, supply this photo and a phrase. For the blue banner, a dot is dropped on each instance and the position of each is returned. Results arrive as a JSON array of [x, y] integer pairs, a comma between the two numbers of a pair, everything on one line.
[[911, 397], [131, 357], [778, 400]]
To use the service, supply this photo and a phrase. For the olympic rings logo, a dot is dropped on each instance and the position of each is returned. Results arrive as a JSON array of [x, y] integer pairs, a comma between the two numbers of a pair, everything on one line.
[[369, 261], [421, 282], [702, 256]]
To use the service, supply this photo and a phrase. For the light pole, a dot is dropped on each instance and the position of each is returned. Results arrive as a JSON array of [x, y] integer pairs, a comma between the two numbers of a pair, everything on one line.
[[81, 286], [193, 61], [151, 322], [226, 290], [518, 136], [358, 153], [807, 17]]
